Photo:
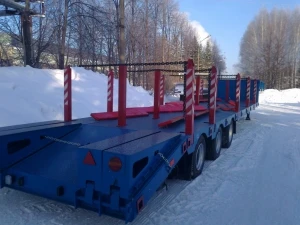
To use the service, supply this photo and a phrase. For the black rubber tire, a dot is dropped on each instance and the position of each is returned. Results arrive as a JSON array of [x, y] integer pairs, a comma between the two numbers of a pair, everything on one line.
[[198, 158], [227, 135], [214, 150]]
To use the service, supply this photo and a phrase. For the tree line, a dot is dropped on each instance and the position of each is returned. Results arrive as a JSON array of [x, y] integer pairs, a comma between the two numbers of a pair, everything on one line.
[[80, 32], [270, 48]]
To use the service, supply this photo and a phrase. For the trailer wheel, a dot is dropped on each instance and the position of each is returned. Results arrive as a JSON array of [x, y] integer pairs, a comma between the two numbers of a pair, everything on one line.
[[215, 146], [198, 158], [227, 136]]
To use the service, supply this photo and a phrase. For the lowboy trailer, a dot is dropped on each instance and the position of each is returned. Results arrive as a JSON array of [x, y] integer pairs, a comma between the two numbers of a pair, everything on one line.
[[113, 162]]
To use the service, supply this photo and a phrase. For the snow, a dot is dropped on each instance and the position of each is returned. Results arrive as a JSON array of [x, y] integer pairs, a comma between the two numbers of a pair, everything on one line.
[[271, 96], [255, 181], [33, 95]]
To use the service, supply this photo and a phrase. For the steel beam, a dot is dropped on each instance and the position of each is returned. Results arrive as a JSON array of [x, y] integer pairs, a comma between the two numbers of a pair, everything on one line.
[[12, 4]]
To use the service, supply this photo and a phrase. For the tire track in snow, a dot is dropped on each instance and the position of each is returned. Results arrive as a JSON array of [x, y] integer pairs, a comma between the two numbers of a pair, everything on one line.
[[292, 152]]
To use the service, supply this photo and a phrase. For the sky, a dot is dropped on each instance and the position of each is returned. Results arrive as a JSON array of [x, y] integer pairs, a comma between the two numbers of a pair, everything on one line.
[[227, 20]]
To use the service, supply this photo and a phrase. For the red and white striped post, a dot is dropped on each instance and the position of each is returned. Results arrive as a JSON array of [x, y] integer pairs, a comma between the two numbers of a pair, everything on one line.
[[201, 88], [68, 94], [189, 99], [238, 93], [213, 96], [161, 89], [156, 93], [122, 96], [248, 92], [110, 90], [255, 91], [198, 80]]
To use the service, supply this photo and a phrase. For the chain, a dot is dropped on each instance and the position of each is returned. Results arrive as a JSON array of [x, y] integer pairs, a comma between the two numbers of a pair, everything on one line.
[[62, 141], [203, 71], [136, 64], [162, 70], [166, 160], [227, 77]]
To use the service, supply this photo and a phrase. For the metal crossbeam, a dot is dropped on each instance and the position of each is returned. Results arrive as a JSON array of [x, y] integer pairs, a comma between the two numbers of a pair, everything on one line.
[[12, 4], [19, 8]]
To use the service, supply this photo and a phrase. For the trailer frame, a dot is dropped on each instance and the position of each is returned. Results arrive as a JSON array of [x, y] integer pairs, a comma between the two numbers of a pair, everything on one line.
[[113, 162]]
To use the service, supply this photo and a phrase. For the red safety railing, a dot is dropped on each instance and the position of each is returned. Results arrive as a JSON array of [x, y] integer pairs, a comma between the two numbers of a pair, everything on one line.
[[157, 80], [213, 95], [255, 91], [67, 94], [189, 99], [238, 93], [248, 92], [162, 89], [197, 99], [110, 90]]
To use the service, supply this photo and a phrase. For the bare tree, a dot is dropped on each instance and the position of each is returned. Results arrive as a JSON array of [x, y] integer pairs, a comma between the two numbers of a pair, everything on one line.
[[270, 48]]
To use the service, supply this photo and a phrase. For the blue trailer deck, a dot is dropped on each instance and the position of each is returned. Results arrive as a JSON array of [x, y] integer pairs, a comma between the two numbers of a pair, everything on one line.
[[115, 170]]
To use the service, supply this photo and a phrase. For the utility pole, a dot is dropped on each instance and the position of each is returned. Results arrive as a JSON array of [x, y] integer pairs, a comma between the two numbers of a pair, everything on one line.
[[27, 34], [122, 46]]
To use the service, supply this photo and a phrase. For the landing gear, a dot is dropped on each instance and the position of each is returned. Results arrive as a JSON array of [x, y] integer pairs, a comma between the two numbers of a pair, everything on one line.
[[248, 116]]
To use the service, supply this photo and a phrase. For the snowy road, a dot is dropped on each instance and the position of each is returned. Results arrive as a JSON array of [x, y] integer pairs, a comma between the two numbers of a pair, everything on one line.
[[256, 181]]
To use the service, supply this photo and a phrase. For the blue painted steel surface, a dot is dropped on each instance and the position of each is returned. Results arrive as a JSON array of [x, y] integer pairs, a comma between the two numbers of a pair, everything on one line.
[[221, 92], [18, 144], [59, 160], [1, 179], [130, 153], [58, 170], [119, 140], [262, 86]]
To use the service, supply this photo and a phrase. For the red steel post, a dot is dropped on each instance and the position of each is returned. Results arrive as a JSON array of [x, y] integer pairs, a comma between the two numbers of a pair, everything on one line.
[[156, 93], [189, 99], [255, 91], [122, 96], [110, 90], [248, 92], [161, 89], [213, 96], [68, 94], [198, 80], [238, 93]]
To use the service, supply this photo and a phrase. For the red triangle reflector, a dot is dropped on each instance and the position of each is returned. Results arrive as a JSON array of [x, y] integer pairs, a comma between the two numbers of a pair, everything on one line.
[[89, 160]]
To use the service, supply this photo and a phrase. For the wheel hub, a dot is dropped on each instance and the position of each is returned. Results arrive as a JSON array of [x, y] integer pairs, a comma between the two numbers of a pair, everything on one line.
[[230, 132], [200, 156], [219, 142]]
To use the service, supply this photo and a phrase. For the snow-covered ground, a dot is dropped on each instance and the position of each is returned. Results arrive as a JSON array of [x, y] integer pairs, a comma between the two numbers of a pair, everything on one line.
[[255, 181], [34, 95]]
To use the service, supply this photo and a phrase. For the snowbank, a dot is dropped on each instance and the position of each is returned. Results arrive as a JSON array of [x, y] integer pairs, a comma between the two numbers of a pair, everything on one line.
[[270, 96], [35, 95]]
